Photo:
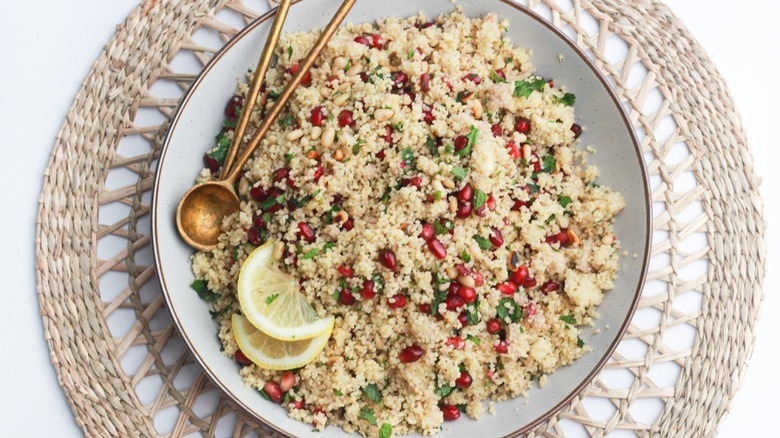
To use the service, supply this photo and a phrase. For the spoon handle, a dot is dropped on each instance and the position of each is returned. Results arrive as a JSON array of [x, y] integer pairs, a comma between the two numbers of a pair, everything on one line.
[[307, 63], [257, 83]]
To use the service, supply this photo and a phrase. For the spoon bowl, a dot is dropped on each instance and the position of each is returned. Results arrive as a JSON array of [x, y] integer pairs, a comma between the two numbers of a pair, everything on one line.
[[201, 211]]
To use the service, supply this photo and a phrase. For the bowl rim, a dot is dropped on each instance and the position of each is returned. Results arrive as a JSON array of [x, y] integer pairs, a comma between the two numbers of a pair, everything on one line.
[[634, 141]]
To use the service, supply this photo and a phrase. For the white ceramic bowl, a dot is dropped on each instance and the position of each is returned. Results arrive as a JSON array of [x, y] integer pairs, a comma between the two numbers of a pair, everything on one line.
[[200, 116]]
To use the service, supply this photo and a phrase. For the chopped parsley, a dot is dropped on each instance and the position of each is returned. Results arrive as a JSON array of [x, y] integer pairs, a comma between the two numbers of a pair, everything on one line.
[[289, 52], [580, 342], [348, 66], [437, 195], [288, 157], [337, 392], [368, 414], [548, 163], [439, 298], [480, 198], [204, 293], [508, 308], [465, 256], [310, 254], [444, 390], [564, 200], [379, 282], [508, 60], [372, 392], [472, 136], [410, 55], [328, 246], [397, 127], [386, 431], [270, 202], [566, 100], [484, 244], [568, 319], [472, 315], [270, 299], [356, 147], [408, 156], [287, 121], [432, 146], [526, 87], [473, 339], [220, 152], [496, 78], [439, 228], [459, 173]]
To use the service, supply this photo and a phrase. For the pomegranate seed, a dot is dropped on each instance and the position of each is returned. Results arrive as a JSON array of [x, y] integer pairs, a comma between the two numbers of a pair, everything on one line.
[[387, 258], [518, 205], [258, 194], [463, 319], [474, 78], [456, 343], [416, 181], [364, 77], [317, 412], [241, 358], [462, 270], [506, 288], [514, 150], [254, 236], [523, 125], [454, 302], [496, 130], [466, 193], [396, 301], [345, 118], [464, 381], [427, 232], [399, 79], [257, 221], [368, 290], [423, 25], [273, 391], [536, 162], [425, 82], [452, 289], [363, 40], [292, 205], [481, 211], [491, 202], [344, 270], [468, 294], [381, 154], [410, 354], [346, 298], [306, 231], [464, 210], [317, 116], [496, 238], [501, 347], [281, 174], [428, 116], [437, 248], [388, 137], [519, 276], [450, 412], [425, 308], [461, 142], [412, 96], [234, 106], [500, 73], [348, 225], [493, 326], [210, 163], [550, 286], [318, 172], [529, 283], [576, 129], [551, 83], [274, 192], [287, 381], [530, 309], [376, 41], [298, 404], [479, 280]]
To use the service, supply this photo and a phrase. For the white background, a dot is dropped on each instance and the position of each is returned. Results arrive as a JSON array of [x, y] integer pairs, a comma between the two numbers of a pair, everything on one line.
[[49, 46]]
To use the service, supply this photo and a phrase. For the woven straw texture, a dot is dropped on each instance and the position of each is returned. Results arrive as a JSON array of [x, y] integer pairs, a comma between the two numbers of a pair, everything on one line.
[[125, 371]]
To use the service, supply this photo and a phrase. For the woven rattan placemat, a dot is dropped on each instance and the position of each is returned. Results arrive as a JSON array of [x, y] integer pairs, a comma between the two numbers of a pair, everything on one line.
[[125, 371]]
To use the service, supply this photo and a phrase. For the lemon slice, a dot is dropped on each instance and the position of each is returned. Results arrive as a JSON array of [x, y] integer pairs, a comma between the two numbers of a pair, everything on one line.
[[273, 354], [273, 303]]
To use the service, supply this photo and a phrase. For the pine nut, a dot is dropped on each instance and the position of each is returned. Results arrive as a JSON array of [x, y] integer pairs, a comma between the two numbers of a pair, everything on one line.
[[341, 99], [294, 134], [451, 272], [573, 237], [325, 91], [338, 155], [526, 151], [354, 70], [453, 205], [448, 183], [328, 135], [243, 187], [383, 114], [467, 281], [271, 140], [342, 216], [316, 132], [339, 63], [278, 250], [476, 109]]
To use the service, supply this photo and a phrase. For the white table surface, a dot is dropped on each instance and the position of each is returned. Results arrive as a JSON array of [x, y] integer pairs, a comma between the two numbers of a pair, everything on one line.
[[49, 46]]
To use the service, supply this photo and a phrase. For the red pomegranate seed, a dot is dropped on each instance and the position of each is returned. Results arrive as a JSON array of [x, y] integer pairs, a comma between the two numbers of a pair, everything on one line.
[[234, 106], [551, 83], [410, 354], [536, 162], [317, 116], [462, 270], [456, 343], [479, 280], [364, 77], [496, 238], [461, 142], [316, 412], [450, 412], [501, 347], [210, 163], [345, 118], [519, 276], [493, 326], [287, 381], [388, 137], [368, 290], [454, 302], [345, 271], [381, 154], [481, 211], [318, 172], [306, 232], [425, 82], [346, 298], [530, 309], [468, 294], [281, 174], [464, 210], [363, 40], [437, 248], [506, 288], [576, 129], [529, 283], [416, 181], [452, 289], [514, 150], [255, 236], [257, 221], [387, 258], [273, 391], [298, 404], [425, 308], [466, 193], [463, 319], [491, 202], [376, 41], [348, 225], [523, 125], [427, 232], [258, 194], [500, 73], [241, 359], [474, 78], [423, 25], [518, 205], [274, 192], [550, 286], [399, 79], [496, 130], [412, 96], [464, 381], [428, 116], [396, 301]]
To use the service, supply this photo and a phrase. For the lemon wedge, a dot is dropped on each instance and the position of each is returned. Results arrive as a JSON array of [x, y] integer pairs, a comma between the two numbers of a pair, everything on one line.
[[272, 302], [273, 354]]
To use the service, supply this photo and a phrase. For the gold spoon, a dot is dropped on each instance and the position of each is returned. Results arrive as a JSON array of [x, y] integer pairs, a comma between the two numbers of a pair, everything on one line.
[[202, 208]]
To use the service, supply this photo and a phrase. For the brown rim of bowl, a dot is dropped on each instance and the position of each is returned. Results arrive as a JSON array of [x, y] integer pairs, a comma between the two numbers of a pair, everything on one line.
[[637, 150]]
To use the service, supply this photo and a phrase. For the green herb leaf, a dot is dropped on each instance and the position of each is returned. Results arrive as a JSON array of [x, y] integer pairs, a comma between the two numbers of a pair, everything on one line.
[[496, 78], [220, 152], [356, 147], [368, 414], [408, 156], [459, 173], [379, 282], [439, 228], [437, 195], [348, 66], [472, 317], [337, 392], [465, 256], [564, 200], [438, 299], [327, 247], [580, 342], [568, 319], [480, 198], [287, 121], [372, 392], [508, 308], [432, 146], [289, 52], [445, 390], [204, 293], [288, 157], [198, 285], [410, 55], [472, 136], [528, 86], [473, 339], [270, 299], [386, 431], [310, 254], [397, 127], [335, 295], [484, 244], [548, 163], [566, 100], [508, 60]]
